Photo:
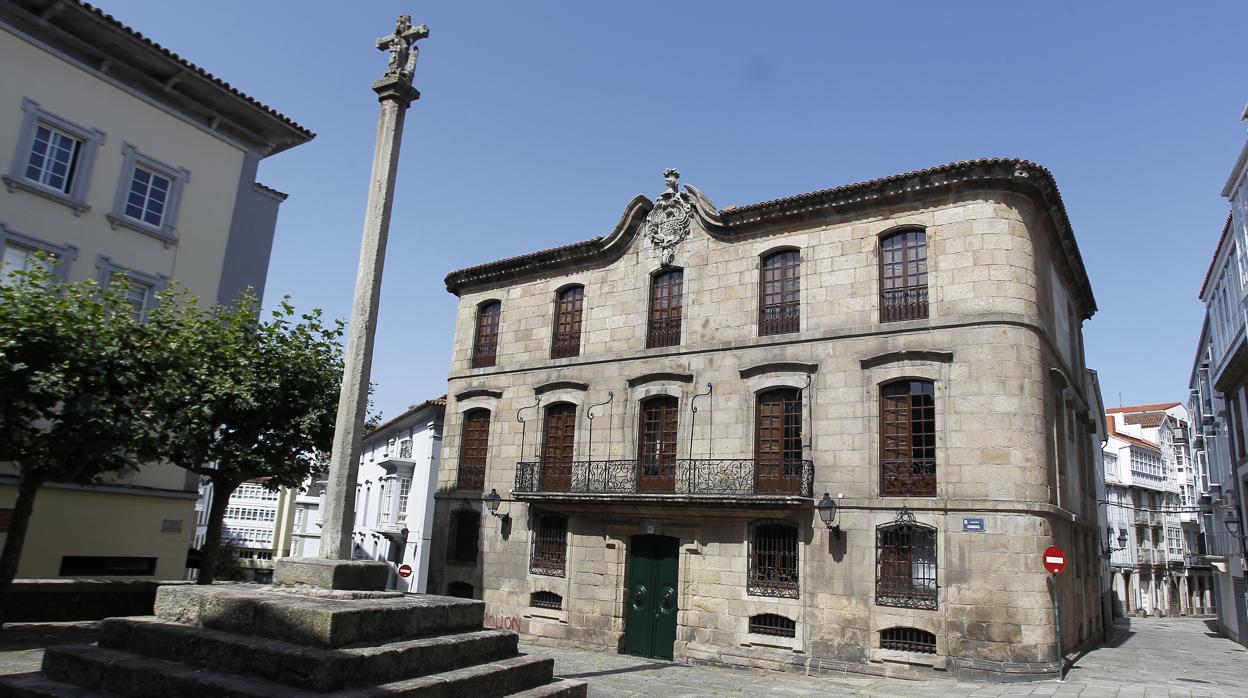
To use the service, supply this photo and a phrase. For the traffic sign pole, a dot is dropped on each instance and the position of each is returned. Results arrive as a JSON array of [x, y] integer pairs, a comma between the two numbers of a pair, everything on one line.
[[1054, 560]]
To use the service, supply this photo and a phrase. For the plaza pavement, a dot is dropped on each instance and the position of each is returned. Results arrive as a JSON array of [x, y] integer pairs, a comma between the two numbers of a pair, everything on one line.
[[1147, 657]]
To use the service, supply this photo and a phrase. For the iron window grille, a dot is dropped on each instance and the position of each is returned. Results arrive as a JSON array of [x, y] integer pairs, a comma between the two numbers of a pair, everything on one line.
[[908, 640], [666, 292], [546, 599], [779, 294], [908, 439], [905, 563], [550, 546], [473, 453], [903, 276], [460, 590], [485, 344], [405, 448], [772, 559], [567, 335], [772, 624], [464, 536]]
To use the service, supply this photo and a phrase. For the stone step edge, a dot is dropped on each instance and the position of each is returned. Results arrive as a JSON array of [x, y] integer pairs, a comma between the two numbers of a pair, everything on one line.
[[309, 668], [37, 685], [314, 621], [559, 688], [122, 674]]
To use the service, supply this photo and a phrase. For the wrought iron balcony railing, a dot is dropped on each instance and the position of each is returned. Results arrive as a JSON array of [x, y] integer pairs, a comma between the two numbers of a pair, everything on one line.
[[721, 477], [915, 477], [779, 318], [663, 332], [909, 303], [470, 478]]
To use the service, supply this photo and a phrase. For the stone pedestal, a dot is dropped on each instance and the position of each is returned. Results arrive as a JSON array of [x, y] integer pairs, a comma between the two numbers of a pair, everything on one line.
[[241, 640], [352, 575]]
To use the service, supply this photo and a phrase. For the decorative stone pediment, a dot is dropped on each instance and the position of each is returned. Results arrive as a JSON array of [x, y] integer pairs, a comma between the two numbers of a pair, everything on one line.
[[669, 222]]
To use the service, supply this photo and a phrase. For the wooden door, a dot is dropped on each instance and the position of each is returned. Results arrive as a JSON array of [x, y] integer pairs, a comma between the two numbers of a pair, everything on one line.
[[657, 445], [652, 596], [778, 442], [558, 442]]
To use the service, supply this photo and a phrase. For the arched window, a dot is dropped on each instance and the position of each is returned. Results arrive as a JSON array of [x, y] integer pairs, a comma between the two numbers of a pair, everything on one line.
[[905, 563], [550, 546], [778, 441], [473, 450], [779, 293], [903, 276], [567, 334], [558, 446], [485, 344], [546, 599], [772, 624], [460, 590], [656, 444], [772, 559], [463, 539], [666, 290], [908, 439], [908, 640]]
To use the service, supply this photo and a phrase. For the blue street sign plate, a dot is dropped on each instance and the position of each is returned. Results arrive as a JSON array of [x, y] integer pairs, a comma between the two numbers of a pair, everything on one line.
[[973, 523]]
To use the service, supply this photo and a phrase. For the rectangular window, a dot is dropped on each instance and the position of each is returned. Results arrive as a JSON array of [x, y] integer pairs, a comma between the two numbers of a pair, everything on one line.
[[903, 276], [474, 451], [550, 546], [148, 194], [53, 156], [405, 486], [485, 344], [387, 500], [772, 559], [908, 439], [19, 258], [779, 297], [567, 336], [138, 294], [99, 566], [906, 564], [666, 290]]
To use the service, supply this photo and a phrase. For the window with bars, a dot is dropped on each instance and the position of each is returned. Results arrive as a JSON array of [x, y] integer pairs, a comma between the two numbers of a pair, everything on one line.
[[485, 343], [772, 559], [779, 293], [464, 536], [908, 640], [773, 624], [474, 450], [666, 290], [546, 599], [567, 334], [908, 439], [550, 546], [903, 276], [905, 559]]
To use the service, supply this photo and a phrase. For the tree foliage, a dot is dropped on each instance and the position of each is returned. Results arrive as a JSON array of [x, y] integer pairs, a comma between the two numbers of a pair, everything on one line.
[[74, 364], [243, 397]]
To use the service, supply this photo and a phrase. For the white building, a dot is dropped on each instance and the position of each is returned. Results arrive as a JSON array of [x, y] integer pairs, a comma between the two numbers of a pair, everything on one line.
[[394, 497], [1150, 501], [254, 519], [121, 157]]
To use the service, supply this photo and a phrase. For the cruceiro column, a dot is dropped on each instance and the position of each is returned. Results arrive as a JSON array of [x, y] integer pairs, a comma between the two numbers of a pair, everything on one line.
[[396, 93]]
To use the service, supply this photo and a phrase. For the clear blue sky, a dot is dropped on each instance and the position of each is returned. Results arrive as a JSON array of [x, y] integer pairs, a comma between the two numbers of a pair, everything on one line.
[[540, 120]]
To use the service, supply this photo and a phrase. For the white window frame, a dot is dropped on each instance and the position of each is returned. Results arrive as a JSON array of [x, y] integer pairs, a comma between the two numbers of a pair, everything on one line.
[[80, 176], [108, 270], [64, 254], [178, 177]]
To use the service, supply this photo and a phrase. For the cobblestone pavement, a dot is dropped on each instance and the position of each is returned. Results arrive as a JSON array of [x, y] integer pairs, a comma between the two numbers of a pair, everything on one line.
[[1147, 657]]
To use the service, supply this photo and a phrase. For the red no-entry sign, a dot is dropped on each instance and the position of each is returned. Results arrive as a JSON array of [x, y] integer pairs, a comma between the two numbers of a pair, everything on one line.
[[1054, 559], [405, 571]]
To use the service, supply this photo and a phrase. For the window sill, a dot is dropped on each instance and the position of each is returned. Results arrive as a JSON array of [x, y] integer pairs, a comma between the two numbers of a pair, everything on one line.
[[166, 237], [15, 183]]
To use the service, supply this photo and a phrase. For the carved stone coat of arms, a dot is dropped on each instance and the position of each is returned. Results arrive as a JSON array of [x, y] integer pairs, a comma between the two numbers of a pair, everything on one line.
[[668, 223]]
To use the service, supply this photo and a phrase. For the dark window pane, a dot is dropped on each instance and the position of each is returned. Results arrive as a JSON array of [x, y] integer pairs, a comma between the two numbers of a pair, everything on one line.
[[485, 345], [773, 559], [779, 298], [474, 450], [903, 276], [666, 292], [567, 336]]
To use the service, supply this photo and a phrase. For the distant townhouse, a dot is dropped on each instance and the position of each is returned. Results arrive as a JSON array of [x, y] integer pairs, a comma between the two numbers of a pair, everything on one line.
[[394, 498], [833, 430], [124, 158]]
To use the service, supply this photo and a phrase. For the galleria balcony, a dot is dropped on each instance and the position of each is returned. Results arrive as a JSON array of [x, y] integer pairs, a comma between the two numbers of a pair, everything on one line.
[[743, 480]]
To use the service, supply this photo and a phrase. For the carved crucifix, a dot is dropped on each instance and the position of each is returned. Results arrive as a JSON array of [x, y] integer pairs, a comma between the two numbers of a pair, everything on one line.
[[402, 47]]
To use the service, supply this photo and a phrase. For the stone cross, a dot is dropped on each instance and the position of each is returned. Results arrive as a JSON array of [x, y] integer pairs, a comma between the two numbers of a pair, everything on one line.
[[395, 92]]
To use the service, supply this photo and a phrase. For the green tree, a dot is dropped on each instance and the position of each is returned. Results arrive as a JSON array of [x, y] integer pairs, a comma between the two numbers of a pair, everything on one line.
[[74, 366], [241, 398]]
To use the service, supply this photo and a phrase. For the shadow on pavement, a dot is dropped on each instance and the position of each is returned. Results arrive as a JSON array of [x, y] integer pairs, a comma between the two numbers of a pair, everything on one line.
[[624, 670], [29, 636]]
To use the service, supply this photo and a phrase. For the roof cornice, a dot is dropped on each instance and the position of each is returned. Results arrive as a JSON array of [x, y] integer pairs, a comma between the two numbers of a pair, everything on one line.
[[99, 42], [1008, 174]]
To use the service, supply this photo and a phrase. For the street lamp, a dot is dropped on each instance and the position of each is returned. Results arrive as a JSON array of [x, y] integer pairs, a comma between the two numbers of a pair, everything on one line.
[[1109, 541], [827, 512], [491, 502]]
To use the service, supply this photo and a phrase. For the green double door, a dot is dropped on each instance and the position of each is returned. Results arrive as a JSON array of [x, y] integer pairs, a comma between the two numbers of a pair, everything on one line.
[[652, 596]]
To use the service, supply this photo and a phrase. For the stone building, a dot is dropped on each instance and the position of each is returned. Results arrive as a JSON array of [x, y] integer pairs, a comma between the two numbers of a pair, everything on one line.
[[669, 412]]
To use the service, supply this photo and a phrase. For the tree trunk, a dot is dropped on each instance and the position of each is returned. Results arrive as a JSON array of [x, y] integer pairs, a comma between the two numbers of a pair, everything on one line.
[[221, 491], [27, 488]]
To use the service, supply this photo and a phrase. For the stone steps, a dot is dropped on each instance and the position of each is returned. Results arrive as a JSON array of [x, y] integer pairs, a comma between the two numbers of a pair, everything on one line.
[[308, 668], [70, 669], [317, 621], [559, 688]]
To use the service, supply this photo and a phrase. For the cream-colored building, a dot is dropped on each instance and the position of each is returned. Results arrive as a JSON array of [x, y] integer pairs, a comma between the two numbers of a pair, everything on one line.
[[117, 155], [668, 412]]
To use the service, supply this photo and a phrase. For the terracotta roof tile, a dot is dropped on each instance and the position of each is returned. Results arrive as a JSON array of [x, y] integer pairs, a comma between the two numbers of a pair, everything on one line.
[[435, 402], [1145, 419], [1155, 407], [1216, 251], [1109, 422]]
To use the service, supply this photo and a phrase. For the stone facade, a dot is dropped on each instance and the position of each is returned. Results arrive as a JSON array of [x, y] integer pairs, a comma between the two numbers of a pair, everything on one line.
[[1007, 297]]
